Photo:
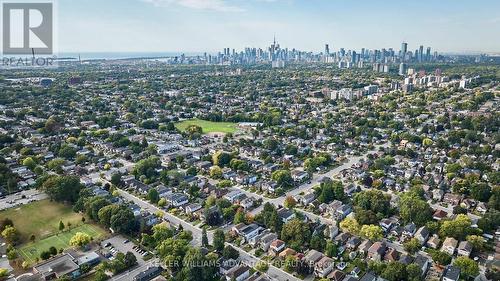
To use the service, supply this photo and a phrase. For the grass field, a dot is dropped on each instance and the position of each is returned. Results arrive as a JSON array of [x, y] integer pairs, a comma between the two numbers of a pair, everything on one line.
[[30, 251], [40, 218], [208, 126]]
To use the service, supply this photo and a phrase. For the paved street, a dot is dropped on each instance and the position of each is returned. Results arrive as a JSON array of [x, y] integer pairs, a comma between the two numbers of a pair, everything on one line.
[[129, 274], [17, 199], [315, 181], [197, 233], [273, 271], [169, 217]]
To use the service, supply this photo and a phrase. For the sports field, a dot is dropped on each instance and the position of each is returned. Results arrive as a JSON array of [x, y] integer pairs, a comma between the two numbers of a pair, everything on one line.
[[208, 126], [30, 251], [40, 218]]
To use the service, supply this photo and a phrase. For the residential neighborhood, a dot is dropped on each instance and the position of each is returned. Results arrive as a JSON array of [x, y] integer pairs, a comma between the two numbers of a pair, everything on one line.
[[143, 170]]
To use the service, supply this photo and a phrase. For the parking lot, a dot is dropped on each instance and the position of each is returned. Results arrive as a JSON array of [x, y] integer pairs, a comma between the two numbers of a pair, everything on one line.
[[119, 243], [21, 198]]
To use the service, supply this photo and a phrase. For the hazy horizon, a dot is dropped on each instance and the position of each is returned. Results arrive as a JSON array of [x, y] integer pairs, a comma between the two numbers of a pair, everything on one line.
[[197, 26]]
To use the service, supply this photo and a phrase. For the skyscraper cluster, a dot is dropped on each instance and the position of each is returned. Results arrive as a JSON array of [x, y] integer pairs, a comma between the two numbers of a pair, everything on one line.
[[277, 56]]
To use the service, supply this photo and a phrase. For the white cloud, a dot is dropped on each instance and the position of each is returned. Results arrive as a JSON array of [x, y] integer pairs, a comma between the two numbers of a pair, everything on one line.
[[213, 5]]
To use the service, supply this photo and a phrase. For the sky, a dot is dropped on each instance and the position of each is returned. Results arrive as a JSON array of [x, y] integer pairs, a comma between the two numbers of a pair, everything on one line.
[[211, 25]]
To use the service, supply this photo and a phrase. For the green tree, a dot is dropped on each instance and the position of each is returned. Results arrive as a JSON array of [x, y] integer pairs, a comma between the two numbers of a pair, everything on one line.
[[372, 232], [489, 222], [61, 226], [172, 251], [270, 218], [219, 240], [395, 271], [413, 209], [230, 253], [215, 172], [221, 158], [123, 221], [439, 257], [93, 205], [67, 152], [63, 188], [204, 238], [29, 162], [116, 179], [331, 249], [105, 214], [427, 142], [296, 233], [458, 228], [45, 255], [80, 239], [10, 234], [52, 124], [262, 266], [56, 165], [480, 192], [318, 242], [412, 246], [130, 259], [194, 130], [468, 267], [4, 223], [239, 217], [477, 242], [81, 159], [161, 232], [374, 200], [162, 202], [494, 201], [414, 272], [350, 225], [283, 178], [153, 196], [147, 167]]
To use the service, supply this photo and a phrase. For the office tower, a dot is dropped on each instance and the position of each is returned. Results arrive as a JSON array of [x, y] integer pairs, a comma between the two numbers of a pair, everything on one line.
[[404, 50], [421, 53], [402, 68], [327, 49], [428, 54]]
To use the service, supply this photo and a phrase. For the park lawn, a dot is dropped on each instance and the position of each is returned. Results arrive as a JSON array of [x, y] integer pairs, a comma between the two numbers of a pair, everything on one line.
[[208, 126], [31, 250], [40, 218]]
